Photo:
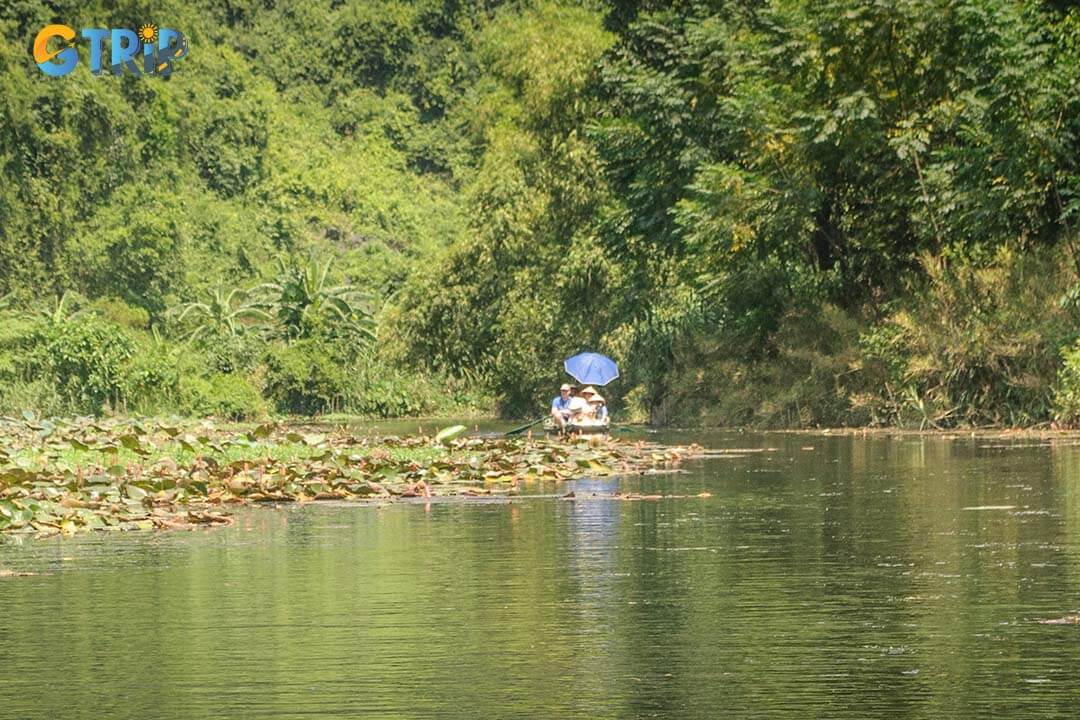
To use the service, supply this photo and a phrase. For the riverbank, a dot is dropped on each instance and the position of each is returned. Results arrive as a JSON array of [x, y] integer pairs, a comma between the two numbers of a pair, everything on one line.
[[65, 477]]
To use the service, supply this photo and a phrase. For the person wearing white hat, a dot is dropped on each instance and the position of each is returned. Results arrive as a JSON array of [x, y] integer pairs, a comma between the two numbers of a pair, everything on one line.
[[560, 406]]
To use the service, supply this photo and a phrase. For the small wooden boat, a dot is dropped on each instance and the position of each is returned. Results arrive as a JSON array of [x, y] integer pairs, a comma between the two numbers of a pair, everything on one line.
[[579, 427]]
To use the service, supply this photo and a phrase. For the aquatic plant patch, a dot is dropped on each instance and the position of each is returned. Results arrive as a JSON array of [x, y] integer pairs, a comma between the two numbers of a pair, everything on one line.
[[69, 476]]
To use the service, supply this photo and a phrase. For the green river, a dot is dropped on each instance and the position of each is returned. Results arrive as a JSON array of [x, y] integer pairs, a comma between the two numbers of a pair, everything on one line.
[[824, 576]]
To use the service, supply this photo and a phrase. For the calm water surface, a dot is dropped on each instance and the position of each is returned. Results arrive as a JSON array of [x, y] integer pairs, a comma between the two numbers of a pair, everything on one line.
[[825, 577]]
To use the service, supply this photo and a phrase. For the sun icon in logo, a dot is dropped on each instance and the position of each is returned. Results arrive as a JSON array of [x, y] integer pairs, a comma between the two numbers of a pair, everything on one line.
[[148, 33]]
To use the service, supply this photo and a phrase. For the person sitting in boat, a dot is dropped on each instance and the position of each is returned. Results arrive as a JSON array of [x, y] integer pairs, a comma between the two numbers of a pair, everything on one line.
[[599, 408], [579, 408], [560, 406], [590, 395]]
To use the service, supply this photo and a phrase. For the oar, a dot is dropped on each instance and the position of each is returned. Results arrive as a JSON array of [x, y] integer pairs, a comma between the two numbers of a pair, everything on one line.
[[523, 428]]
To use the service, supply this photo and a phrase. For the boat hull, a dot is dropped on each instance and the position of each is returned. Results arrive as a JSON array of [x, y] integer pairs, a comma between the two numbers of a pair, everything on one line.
[[578, 429]]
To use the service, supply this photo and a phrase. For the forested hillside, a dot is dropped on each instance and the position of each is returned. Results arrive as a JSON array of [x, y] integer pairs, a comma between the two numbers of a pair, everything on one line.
[[782, 213], [293, 137], [787, 213]]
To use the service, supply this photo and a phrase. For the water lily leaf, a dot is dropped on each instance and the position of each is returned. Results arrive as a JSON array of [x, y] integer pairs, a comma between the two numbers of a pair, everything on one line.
[[387, 473], [451, 433], [130, 441], [99, 489], [237, 486], [263, 431], [21, 516], [48, 490]]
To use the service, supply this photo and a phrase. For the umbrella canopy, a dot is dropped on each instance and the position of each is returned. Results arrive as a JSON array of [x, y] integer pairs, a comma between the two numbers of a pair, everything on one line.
[[592, 368]]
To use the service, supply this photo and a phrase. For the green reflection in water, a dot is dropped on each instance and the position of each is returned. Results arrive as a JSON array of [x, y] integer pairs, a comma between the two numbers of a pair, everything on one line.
[[824, 577]]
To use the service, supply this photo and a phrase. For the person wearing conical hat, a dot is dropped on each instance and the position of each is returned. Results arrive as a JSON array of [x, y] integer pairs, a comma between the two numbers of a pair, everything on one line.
[[597, 405], [579, 407]]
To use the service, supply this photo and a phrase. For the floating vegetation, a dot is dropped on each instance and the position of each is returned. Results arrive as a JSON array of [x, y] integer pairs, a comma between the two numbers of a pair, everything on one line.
[[1066, 620], [64, 477]]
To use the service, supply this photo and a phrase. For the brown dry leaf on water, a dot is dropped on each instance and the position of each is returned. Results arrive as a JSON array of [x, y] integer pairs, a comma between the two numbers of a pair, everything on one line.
[[1066, 620]]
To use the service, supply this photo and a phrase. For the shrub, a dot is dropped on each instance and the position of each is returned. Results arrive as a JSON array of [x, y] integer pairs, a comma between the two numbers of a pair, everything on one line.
[[305, 378], [976, 344], [1067, 390], [86, 359], [231, 147], [310, 377], [232, 353], [227, 395], [39, 396], [382, 391], [151, 379], [120, 313], [803, 381]]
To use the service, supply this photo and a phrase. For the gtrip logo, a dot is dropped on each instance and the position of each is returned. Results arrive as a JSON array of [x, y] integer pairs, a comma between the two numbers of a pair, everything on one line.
[[158, 50]]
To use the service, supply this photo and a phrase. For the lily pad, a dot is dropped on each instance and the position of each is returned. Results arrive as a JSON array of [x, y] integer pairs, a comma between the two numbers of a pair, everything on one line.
[[449, 434]]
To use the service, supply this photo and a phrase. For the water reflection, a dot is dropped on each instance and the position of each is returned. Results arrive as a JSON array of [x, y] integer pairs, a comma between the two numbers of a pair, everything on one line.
[[825, 577]]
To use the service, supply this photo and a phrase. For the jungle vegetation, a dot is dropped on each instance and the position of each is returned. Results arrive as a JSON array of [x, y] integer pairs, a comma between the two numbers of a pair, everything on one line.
[[784, 213]]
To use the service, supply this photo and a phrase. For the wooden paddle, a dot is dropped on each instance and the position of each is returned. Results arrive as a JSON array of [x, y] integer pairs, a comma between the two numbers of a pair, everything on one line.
[[523, 428]]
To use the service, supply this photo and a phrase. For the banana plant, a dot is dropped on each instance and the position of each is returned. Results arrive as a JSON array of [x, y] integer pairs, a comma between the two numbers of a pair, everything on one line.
[[302, 300], [224, 314], [58, 313]]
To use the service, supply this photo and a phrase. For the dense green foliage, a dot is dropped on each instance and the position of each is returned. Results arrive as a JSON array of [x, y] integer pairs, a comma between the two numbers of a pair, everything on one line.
[[785, 213], [227, 236]]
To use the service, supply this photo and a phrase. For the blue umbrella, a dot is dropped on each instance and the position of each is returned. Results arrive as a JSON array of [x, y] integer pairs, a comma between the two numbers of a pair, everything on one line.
[[592, 368]]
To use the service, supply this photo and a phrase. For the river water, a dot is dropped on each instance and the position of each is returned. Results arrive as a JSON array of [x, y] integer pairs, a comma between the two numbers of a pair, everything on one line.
[[824, 576]]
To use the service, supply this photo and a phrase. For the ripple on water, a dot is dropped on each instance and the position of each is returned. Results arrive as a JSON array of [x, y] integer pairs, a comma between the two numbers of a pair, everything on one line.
[[860, 578]]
